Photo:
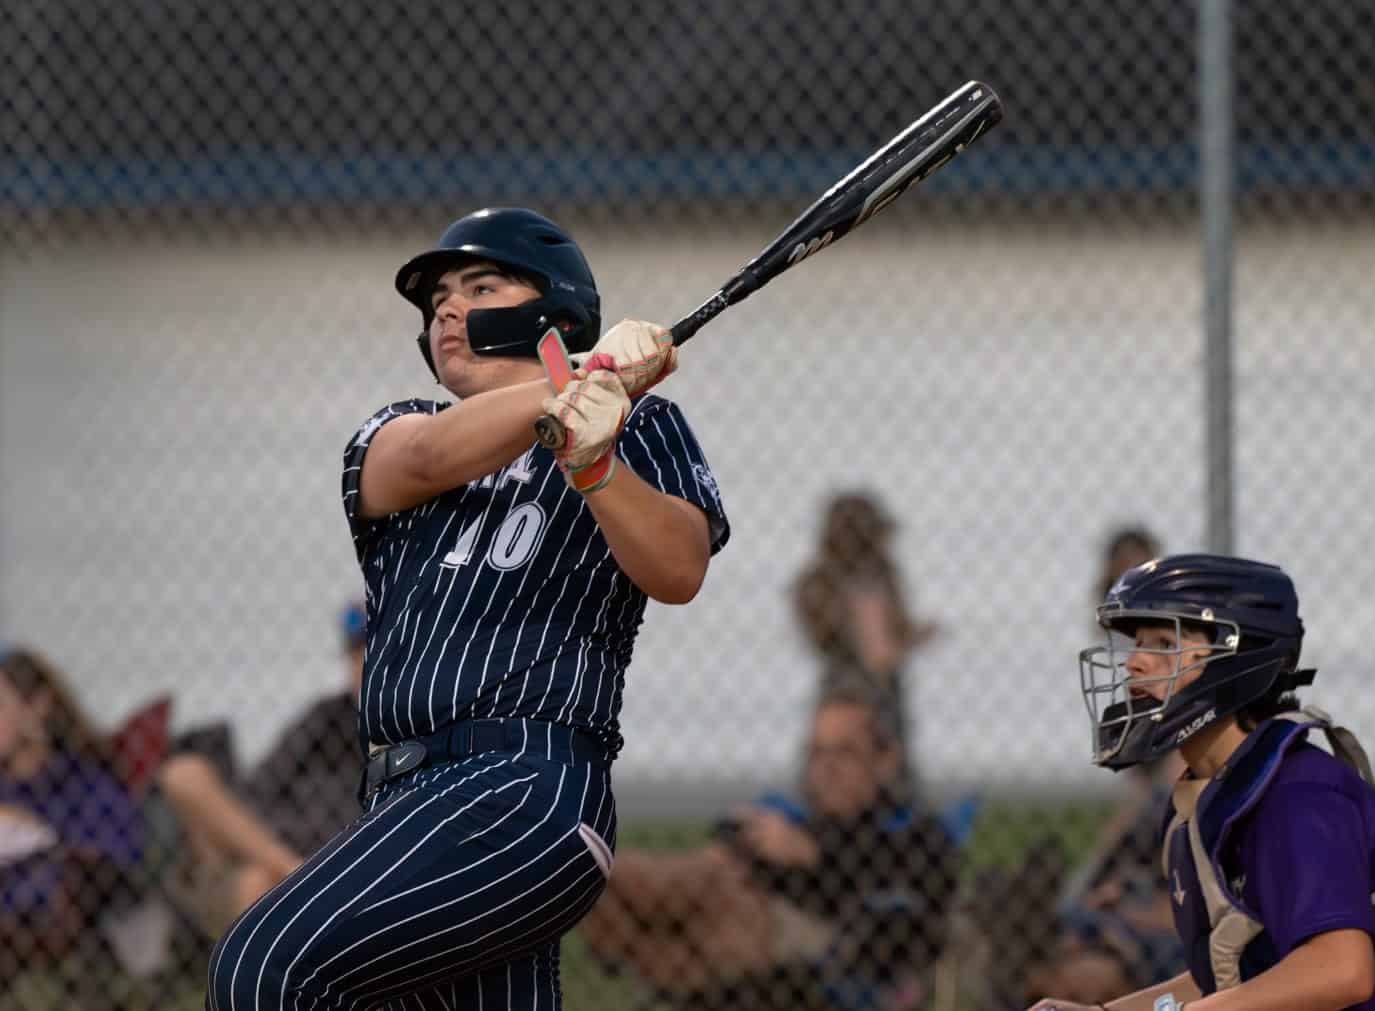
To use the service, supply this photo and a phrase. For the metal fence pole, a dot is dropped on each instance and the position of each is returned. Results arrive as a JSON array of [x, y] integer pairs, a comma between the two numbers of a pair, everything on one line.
[[1216, 185]]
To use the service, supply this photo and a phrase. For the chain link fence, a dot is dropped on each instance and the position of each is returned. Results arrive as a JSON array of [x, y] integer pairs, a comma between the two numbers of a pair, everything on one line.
[[203, 207]]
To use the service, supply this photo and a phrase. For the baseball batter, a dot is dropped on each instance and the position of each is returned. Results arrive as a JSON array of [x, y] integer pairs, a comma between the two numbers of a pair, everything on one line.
[[1269, 844], [505, 586]]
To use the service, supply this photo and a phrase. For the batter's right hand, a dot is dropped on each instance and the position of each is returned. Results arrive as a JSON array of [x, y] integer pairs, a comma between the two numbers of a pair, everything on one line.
[[591, 409], [643, 352]]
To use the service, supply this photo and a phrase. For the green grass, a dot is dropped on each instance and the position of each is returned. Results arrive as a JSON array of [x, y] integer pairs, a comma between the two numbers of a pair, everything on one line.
[[1004, 831], [1000, 837]]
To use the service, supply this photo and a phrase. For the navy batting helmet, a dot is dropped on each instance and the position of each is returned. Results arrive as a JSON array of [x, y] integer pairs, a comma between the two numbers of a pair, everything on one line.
[[528, 244], [1249, 613]]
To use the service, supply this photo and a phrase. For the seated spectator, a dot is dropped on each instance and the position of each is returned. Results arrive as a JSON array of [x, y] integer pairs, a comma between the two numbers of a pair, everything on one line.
[[1114, 930], [306, 786], [229, 856], [71, 834], [836, 903], [108, 842], [245, 837], [1115, 927]]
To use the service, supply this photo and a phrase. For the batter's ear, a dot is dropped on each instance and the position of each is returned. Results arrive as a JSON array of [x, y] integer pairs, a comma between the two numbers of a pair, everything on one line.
[[423, 342]]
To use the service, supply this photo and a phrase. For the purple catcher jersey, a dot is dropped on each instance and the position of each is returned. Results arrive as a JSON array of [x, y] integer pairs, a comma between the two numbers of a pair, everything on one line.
[[1301, 862], [1306, 854]]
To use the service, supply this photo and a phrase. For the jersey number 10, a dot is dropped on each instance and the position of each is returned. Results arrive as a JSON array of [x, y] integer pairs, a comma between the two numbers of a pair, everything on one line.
[[514, 543]]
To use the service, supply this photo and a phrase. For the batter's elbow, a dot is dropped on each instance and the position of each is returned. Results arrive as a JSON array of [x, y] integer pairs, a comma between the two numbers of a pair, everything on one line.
[[680, 588], [674, 596]]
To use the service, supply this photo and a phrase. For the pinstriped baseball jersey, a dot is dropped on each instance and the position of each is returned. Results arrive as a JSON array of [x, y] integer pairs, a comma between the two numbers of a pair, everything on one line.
[[501, 598]]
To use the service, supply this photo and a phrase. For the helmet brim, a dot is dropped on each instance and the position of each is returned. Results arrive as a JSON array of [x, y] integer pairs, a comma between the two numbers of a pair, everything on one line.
[[416, 279]]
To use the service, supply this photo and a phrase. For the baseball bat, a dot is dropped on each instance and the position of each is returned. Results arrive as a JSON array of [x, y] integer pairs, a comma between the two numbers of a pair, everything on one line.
[[907, 159]]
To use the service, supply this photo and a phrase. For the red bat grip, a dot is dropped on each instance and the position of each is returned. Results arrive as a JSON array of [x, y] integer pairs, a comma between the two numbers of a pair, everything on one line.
[[559, 369]]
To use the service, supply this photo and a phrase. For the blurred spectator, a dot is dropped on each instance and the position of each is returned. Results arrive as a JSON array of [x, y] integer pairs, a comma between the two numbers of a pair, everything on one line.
[[71, 833], [245, 837], [1000, 928], [1114, 931], [839, 902], [229, 856], [306, 786], [851, 605], [244, 834], [1115, 928], [1126, 548]]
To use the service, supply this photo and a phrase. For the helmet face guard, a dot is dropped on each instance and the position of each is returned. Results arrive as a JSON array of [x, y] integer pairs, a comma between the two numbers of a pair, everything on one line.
[[1248, 612], [1125, 722], [514, 331]]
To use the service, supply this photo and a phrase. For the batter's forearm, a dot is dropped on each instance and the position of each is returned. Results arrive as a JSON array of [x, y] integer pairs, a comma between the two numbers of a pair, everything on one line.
[[416, 457], [479, 434], [662, 543]]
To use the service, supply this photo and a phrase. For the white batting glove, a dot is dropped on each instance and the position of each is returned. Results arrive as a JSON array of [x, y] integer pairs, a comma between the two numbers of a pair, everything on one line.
[[643, 353], [592, 411]]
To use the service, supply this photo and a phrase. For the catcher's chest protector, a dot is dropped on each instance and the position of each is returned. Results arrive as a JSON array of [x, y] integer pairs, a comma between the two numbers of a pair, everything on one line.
[[1224, 940]]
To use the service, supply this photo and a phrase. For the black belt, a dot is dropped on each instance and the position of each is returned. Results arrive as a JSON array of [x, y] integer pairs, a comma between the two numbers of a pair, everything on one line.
[[553, 741]]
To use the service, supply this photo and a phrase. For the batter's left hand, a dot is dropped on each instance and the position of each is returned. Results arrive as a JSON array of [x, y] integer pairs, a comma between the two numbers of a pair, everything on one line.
[[643, 354]]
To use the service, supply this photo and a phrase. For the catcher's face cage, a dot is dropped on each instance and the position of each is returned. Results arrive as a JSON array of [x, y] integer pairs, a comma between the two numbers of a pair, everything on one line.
[[1106, 683]]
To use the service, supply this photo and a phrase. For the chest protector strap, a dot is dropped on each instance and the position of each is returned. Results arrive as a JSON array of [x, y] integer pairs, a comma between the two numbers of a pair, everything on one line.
[[1206, 812]]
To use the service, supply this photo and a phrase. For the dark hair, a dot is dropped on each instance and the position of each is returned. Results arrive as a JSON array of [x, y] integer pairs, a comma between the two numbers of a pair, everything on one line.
[[502, 270], [1279, 699], [1203, 629], [861, 692], [522, 277], [1132, 537], [853, 544], [71, 730], [1267, 707], [855, 529], [1200, 628], [1121, 539]]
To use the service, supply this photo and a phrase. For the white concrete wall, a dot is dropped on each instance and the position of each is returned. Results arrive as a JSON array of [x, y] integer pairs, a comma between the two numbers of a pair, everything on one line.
[[172, 417]]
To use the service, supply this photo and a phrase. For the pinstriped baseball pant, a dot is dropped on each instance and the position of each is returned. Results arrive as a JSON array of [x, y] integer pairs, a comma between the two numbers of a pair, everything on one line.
[[450, 893]]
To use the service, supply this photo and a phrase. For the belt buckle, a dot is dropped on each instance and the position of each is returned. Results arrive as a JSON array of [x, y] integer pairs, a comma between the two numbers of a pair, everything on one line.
[[404, 758], [388, 762]]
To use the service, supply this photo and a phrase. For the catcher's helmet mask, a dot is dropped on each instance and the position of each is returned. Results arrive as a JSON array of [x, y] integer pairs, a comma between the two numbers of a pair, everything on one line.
[[527, 246], [1247, 611]]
